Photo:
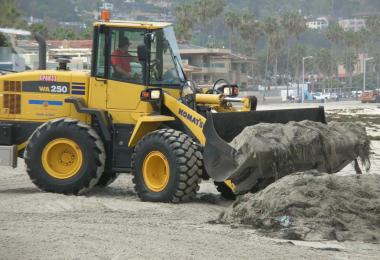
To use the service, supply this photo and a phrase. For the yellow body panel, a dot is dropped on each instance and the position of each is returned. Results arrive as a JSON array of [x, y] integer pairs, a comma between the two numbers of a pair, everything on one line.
[[147, 124], [194, 121], [121, 100], [124, 96], [38, 96], [133, 24]]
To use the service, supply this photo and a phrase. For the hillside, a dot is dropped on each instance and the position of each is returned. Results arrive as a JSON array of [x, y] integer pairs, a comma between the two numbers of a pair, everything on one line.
[[67, 9]]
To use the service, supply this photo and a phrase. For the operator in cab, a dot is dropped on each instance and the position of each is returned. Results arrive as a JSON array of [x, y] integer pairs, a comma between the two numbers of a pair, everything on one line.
[[121, 58]]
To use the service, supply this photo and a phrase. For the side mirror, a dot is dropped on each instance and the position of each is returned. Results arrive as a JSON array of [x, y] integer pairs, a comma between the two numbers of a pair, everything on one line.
[[142, 52]]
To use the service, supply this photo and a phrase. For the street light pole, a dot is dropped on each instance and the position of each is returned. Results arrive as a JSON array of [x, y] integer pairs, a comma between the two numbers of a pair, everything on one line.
[[303, 74], [365, 71]]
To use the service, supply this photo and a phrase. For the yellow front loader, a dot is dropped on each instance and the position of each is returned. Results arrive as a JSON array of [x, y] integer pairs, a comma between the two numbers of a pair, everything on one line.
[[135, 112]]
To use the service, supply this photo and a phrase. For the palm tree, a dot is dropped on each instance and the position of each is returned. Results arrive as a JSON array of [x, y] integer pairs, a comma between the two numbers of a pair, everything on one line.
[[323, 63], [349, 62], [184, 23], [373, 25], [335, 34], [295, 25], [270, 26], [277, 43], [376, 66], [354, 42], [251, 30], [215, 7], [296, 55], [233, 21], [10, 17], [205, 10]]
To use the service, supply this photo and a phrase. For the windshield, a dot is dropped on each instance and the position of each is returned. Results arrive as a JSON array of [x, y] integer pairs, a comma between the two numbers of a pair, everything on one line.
[[165, 63]]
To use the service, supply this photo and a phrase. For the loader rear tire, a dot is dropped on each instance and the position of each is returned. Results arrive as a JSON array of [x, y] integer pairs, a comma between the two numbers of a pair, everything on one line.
[[225, 191], [65, 156], [167, 167]]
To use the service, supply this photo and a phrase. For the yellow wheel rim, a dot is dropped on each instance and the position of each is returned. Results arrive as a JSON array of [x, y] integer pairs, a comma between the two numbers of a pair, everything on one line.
[[62, 158], [156, 171]]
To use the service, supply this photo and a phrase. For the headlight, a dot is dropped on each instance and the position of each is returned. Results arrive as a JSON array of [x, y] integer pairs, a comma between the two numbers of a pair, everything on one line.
[[230, 90], [151, 95], [155, 94], [227, 91]]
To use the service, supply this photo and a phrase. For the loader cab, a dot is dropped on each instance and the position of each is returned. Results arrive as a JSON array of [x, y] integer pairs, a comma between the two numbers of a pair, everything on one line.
[[128, 57]]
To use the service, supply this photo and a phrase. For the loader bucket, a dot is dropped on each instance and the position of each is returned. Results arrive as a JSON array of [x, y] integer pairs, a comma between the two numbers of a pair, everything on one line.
[[220, 128]]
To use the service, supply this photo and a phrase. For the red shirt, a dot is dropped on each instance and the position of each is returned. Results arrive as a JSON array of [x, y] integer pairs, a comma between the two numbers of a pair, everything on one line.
[[121, 58]]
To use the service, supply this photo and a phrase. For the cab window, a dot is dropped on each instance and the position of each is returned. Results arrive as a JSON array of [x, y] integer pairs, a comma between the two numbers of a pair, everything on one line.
[[163, 70], [124, 64], [99, 69]]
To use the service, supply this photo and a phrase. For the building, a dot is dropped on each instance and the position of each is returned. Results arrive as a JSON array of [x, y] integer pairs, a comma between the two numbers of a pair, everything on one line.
[[145, 11], [358, 67], [161, 3], [352, 24], [106, 6], [319, 23], [206, 65], [78, 51]]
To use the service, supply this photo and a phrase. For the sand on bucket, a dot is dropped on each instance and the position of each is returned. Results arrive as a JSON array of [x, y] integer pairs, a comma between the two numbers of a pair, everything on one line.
[[271, 151]]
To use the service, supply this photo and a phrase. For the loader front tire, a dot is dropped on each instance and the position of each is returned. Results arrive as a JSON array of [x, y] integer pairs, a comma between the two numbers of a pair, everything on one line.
[[65, 156], [166, 167]]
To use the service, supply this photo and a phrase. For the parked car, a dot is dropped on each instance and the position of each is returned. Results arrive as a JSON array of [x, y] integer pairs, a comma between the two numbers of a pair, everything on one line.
[[321, 96], [333, 96]]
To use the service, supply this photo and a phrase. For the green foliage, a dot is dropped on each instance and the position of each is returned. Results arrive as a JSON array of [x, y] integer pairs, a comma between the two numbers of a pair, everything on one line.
[[323, 61], [199, 12], [10, 16], [41, 29], [335, 33], [294, 23], [184, 23], [373, 24], [60, 10], [250, 30], [3, 41], [62, 33]]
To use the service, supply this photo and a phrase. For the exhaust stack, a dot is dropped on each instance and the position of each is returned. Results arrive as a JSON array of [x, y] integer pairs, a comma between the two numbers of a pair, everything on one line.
[[41, 51]]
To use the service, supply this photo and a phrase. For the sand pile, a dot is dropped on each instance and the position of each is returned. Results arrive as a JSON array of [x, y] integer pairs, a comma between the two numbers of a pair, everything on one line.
[[276, 150], [313, 206]]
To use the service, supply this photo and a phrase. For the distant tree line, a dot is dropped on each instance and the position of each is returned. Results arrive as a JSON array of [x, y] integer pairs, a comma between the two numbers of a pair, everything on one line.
[[280, 42], [267, 30]]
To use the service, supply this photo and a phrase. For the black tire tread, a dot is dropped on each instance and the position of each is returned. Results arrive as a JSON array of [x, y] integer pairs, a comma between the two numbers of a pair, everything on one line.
[[67, 122], [189, 161]]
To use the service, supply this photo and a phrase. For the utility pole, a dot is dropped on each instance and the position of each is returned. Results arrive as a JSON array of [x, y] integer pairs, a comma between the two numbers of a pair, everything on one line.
[[303, 75], [365, 71]]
